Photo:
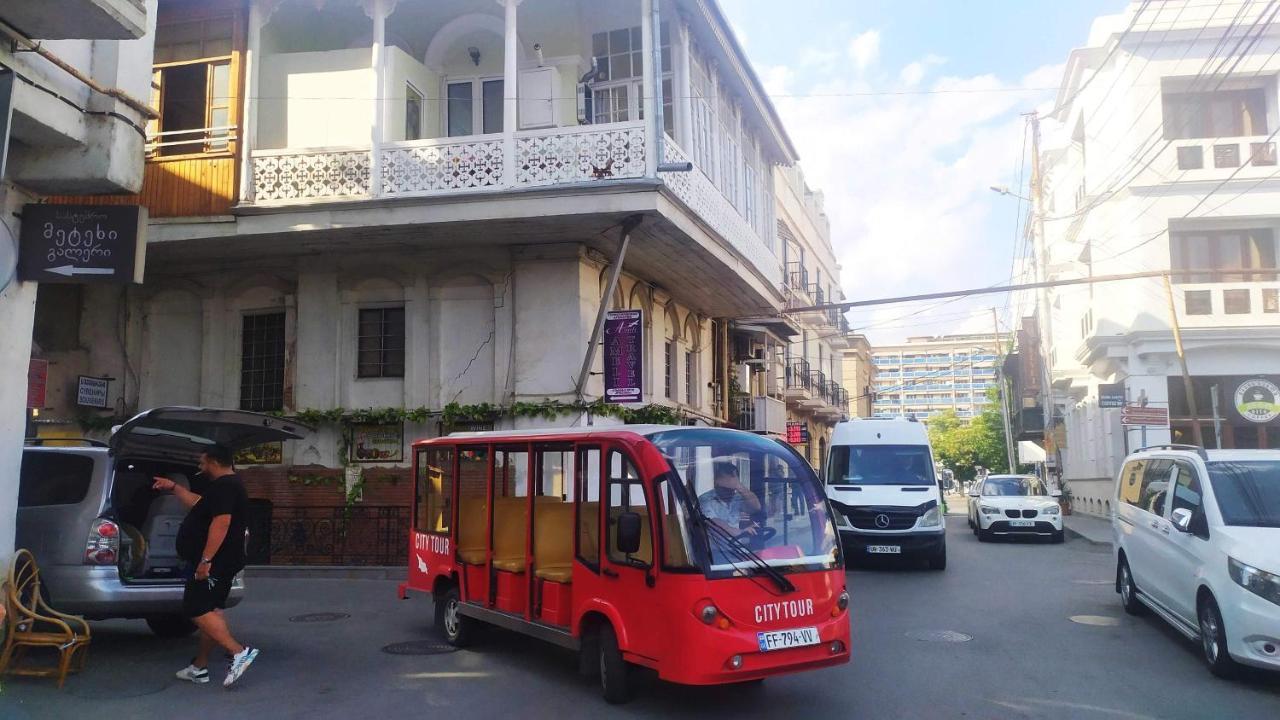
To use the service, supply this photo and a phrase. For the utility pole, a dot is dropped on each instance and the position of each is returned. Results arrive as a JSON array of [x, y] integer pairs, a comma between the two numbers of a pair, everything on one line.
[[1196, 435], [1004, 405], [1042, 273]]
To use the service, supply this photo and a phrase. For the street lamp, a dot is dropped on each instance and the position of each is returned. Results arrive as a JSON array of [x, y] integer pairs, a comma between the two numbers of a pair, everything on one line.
[[1004, 190]]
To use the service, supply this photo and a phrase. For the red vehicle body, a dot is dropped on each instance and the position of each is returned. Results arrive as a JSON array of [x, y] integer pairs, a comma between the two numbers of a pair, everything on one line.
[[594, 540]]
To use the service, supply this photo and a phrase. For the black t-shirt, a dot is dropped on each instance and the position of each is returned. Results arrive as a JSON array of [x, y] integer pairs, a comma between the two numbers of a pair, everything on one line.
[[224, 496]]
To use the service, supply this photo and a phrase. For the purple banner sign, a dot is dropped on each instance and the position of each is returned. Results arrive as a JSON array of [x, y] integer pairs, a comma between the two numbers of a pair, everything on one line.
[[624, 356]]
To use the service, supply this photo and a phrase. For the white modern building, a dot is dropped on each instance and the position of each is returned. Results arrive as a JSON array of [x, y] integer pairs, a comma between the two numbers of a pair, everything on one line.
[[930, 374], [1161, 154], [64, 135]]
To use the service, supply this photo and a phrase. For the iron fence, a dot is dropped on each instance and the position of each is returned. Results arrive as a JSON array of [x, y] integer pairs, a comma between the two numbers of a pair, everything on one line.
[[326, 535]]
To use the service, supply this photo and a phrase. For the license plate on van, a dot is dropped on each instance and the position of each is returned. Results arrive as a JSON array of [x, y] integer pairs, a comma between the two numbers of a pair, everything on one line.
[[783, 639], [884, 549]]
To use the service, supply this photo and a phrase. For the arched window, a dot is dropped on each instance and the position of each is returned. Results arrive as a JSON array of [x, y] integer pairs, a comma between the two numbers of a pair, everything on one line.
[[692, 361], [671, 338]]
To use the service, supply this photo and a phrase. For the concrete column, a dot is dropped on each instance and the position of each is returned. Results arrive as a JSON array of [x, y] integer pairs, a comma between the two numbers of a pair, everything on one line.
[[510, 89], [214, 351], [379, 14], [17, 318], [682, 86], [417, 377], [258, 17], [504, 336], [318, 340], [647, 39]]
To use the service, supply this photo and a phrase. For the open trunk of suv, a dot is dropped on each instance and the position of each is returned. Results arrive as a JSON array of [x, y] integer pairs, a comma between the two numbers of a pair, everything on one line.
[[168, 442]]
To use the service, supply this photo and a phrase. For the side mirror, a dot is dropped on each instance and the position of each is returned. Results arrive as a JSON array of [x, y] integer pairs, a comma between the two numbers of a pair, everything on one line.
[[628, 538], [1181, 519], [1055, 493], [973, 493]]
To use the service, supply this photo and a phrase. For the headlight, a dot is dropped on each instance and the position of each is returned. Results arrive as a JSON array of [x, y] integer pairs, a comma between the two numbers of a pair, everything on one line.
[[1258, 582], [1051, 510], [932, 518], [988, 510]]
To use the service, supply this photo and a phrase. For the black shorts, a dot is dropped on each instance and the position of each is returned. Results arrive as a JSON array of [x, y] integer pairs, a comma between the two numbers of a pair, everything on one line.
[[200, 597]]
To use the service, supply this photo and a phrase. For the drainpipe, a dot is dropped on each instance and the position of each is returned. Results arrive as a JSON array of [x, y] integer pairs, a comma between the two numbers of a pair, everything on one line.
[[659, 131]]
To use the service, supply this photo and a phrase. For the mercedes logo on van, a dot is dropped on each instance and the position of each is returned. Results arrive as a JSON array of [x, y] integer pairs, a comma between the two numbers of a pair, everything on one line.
[[882, 521]]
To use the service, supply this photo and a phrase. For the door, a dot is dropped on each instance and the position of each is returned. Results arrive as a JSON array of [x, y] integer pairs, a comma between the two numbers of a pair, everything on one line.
[[1181, 554], [629, 578], [1149, 531], [1130, 515]]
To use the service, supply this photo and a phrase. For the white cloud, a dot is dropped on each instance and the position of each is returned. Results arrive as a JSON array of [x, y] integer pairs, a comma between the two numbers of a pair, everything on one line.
[[865, 49], [906, 180]]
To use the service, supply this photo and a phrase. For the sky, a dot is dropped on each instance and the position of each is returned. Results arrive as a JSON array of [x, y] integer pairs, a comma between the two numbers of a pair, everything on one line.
[[907, 174]]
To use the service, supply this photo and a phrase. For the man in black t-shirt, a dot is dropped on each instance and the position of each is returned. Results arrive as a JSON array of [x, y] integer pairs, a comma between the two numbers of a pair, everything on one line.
[[211, 543]]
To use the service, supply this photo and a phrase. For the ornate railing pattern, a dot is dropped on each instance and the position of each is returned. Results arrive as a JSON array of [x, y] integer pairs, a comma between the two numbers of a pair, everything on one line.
[[589, 152], [322, 535], [433, 166], [311, 174], [697, 191]]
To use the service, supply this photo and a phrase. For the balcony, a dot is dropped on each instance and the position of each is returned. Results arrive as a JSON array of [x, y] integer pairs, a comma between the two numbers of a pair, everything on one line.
[[797, 385], [78, 19], [763, 415], [819, 390]]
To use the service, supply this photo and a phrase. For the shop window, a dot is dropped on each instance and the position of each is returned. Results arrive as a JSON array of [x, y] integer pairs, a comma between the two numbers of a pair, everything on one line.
[[1235, 302], [192, 87], [262, 362], [435, 489], [380, 344]]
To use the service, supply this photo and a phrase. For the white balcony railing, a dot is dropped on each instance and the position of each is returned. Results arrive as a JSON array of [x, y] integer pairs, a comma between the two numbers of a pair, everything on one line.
[[697, 191], [441, 166]]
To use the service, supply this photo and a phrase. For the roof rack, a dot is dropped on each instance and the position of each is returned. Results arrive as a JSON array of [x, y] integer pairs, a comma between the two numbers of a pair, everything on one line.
[[1174, 446], [41, 442]]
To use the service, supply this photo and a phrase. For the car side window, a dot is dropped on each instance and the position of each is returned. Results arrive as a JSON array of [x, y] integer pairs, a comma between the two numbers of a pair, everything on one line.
[[1155, 486], [1132, 482], [1186, 489]]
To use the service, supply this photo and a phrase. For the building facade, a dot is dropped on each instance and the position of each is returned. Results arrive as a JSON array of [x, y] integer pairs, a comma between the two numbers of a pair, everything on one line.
[[58, 135], [1162, 155], [859, 375], [928, 375], [396, 219]]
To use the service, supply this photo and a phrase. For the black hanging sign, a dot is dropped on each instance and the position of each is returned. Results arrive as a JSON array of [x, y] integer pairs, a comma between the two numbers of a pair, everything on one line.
[[82, 243]]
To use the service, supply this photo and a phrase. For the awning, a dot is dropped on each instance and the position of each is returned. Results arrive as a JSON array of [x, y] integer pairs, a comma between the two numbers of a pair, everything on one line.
[[1029, 452]]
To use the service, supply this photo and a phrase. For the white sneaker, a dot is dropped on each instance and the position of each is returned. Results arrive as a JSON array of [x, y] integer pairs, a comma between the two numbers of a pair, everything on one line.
[[191, 673], [239, 663]]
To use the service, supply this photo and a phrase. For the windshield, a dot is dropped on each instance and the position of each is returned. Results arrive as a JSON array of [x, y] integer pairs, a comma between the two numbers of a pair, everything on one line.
[[1011, 487], [881, 465], [758, 501], [1248, 493]]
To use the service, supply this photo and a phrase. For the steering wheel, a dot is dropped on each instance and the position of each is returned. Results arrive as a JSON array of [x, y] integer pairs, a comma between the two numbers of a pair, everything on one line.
[[761, 535]]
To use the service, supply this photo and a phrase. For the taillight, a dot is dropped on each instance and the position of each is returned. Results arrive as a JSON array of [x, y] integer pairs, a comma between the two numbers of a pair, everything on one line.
[[103, 545]]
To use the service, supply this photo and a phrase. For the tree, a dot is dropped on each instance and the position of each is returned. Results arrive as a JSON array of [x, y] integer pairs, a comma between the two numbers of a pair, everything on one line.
[[962, 446]]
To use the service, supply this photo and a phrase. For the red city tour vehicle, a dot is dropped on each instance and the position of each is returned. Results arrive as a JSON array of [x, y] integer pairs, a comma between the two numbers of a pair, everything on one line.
[[706, 554]]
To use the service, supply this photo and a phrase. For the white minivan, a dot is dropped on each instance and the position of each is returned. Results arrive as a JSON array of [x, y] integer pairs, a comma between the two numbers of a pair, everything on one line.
[[880, 480]]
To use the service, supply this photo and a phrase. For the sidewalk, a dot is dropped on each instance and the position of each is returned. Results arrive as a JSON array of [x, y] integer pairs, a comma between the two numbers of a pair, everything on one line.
[[1088, 527]]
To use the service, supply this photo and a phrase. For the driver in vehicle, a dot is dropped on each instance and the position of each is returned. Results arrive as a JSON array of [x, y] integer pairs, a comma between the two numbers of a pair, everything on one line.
[[728, 500]]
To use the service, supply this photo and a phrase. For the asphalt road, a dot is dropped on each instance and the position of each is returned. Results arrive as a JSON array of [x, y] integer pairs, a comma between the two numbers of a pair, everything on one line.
[[1026, 658]]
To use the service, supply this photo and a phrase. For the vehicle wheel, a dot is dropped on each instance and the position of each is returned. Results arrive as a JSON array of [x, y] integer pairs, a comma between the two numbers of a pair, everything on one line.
[[170, 626], [455, 628], [1059, 537], [1213, 640], [1128, 589], [984, 535], [938, 560], [615, 673]]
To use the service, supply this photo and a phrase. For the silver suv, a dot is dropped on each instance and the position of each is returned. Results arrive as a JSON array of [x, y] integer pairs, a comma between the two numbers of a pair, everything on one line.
[[104, 540]]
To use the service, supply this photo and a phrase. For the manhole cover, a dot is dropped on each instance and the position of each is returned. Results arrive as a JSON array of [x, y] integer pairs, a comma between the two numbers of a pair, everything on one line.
[[319, 617], [418, 647], [1096, 620], [939, 636]]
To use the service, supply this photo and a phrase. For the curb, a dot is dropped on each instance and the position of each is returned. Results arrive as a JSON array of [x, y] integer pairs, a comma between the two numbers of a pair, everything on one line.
[[1081, 536], [328, 572]]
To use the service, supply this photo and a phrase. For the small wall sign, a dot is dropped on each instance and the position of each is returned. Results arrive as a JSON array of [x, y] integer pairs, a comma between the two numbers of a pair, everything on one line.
[[377, 443], [92, 392]]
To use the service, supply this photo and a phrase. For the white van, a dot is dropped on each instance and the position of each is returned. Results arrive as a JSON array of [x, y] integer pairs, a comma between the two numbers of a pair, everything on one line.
[[880, 480]]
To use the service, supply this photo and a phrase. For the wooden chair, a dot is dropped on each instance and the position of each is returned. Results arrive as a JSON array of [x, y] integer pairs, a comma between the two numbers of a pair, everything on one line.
[[31, 623]]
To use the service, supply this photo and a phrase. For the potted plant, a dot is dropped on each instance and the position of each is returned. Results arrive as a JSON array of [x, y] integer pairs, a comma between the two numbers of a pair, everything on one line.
[[1064, 500]]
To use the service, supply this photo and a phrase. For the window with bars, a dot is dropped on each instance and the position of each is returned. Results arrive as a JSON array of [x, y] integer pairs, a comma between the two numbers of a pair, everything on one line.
[[262, 362], [670, 369], [690, 378], [380, 345]]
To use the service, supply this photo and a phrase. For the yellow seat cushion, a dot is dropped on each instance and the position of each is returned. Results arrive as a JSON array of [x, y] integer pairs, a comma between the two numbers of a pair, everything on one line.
[[553, 539], [556, 573], [509, 564], [473, 518], [472, 557]]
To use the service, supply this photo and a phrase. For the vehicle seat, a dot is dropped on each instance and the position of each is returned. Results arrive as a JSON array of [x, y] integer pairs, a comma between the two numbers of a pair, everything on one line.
[[160, 529], [472, 519], [589, 532], [673, 540], [509, 533], [553, 541]]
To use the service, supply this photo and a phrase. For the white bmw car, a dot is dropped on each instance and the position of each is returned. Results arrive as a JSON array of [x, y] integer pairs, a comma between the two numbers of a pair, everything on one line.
[[1017, 506]]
